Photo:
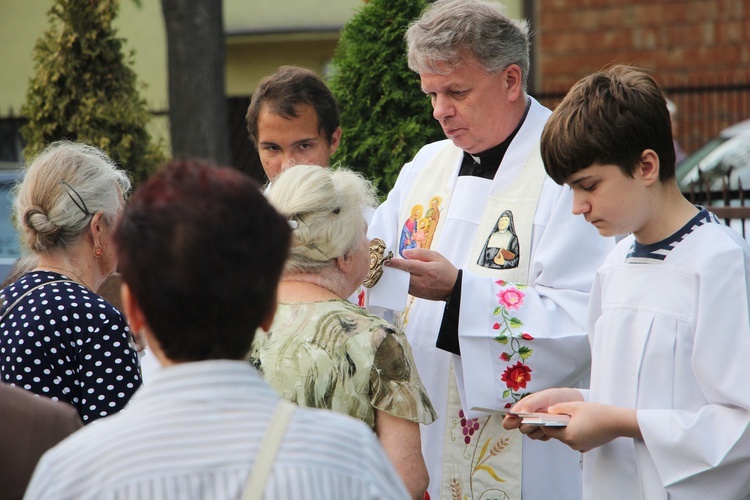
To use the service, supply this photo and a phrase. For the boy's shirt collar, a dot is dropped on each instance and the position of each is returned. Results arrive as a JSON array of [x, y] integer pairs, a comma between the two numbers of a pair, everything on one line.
[[657, 252]]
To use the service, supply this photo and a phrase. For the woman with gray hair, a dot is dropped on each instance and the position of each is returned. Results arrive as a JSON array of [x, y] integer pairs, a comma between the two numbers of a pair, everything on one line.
[[58, 338], [323, 351]]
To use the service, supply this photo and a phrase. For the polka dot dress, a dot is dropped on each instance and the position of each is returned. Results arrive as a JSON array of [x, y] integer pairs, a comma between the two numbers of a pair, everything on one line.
[[67, 343]]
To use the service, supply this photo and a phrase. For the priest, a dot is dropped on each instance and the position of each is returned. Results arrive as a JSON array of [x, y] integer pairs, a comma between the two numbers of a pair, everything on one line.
[[497, 293]]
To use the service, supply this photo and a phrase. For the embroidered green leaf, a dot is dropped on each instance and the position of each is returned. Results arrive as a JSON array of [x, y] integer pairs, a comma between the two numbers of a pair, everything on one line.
[[506, 393], [503, 339], [516, 323], [484, 450], [525, 352], [497, 311], [490, 472]]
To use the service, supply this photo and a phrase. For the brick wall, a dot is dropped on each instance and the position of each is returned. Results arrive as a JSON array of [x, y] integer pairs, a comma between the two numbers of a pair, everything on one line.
[[698, 50]]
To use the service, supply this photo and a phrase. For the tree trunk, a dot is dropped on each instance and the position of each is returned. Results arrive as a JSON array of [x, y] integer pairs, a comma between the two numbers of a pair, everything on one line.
[[196, 63]]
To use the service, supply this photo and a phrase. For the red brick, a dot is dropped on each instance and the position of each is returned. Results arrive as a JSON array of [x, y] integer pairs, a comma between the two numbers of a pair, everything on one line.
[[703, 11], [729, 32], [690, 35], [649, 15]]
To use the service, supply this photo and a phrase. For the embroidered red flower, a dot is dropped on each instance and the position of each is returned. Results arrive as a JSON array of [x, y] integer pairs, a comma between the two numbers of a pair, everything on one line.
[[496, 326], [526, 336], [361, 299], [516, 376], [511, 298], [505, 356]]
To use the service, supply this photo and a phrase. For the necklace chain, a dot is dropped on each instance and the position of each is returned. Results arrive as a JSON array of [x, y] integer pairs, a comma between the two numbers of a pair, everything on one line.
[[64, 271]]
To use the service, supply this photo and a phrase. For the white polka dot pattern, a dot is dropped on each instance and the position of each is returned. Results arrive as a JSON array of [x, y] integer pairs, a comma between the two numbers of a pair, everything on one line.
[[67, 343]]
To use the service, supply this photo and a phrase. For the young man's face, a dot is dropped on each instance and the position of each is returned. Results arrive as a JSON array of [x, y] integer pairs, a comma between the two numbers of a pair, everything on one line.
[[285, 142], [474, 107], [609, 199]]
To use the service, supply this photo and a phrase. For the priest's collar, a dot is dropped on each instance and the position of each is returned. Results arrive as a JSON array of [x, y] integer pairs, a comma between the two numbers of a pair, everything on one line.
[[492, 156], [485, 164]]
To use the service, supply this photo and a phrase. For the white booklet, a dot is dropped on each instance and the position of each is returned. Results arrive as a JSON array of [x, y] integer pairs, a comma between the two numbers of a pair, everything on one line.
[[536, 418]]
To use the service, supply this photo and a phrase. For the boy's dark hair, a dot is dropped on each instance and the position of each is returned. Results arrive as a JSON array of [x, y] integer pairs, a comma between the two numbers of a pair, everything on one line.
[[202, 252], [609, 117], [287, 89]]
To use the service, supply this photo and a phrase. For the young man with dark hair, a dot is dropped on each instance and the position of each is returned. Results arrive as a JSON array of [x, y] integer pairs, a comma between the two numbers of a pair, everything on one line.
[[293, 119]]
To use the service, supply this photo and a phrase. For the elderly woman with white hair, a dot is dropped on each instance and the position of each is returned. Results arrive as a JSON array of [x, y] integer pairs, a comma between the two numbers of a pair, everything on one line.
[[323, 351], [58, 338]]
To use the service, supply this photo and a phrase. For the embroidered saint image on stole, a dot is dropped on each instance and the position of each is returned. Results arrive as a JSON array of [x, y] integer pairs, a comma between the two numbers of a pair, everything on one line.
[[501, 250], [418, 231]]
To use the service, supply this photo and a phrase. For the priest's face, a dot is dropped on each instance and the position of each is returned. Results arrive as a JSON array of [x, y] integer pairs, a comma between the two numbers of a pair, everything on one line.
[[476, 109], [284, 142]]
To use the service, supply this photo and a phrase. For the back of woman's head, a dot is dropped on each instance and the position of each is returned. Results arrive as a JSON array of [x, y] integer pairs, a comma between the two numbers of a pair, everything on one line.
[[326, 206], [202, 251], [63, 187]]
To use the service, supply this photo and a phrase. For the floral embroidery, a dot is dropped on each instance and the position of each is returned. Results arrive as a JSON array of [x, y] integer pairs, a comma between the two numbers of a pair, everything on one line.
[[516, 375], [484, 438]]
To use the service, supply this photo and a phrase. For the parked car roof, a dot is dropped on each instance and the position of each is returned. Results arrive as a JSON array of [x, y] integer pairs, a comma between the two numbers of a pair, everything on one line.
[[726, 154]]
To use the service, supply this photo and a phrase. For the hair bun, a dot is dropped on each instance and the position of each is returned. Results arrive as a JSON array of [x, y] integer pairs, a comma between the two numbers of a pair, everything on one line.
[[45, 230]]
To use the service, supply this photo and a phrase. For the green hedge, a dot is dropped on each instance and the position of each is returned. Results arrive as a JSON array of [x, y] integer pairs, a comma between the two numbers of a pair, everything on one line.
[[385, 116], [85, 90]]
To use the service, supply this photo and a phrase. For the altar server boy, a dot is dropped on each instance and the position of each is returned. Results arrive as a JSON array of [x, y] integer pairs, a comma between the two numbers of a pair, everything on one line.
[[668, 412]]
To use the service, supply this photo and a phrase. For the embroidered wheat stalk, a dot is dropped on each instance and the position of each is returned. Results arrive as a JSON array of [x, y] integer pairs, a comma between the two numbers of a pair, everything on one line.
[[455, 489], [499, 446]]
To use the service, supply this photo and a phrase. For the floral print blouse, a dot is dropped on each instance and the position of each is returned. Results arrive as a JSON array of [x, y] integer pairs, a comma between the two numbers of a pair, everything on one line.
[[337, 356]]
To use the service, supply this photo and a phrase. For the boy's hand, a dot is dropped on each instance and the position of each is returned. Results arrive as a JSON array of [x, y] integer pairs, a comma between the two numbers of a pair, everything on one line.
[[593, 424], [539, 402]]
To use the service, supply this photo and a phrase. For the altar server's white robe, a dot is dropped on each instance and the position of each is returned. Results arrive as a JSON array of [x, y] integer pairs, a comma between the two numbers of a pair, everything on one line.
[[565, 253], [672, 339]]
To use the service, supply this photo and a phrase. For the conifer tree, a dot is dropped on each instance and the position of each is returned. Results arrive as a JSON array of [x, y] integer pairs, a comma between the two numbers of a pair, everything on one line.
[[84, 88], [385, 116]]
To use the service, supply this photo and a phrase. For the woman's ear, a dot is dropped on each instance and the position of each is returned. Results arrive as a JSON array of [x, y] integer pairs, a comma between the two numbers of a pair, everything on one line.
[[267, 321], [344, 262], [96, 226], [139, 326], [133, 312]]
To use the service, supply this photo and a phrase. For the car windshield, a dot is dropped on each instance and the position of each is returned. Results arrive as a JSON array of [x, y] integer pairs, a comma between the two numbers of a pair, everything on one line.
[[688, 164], [730, 158]]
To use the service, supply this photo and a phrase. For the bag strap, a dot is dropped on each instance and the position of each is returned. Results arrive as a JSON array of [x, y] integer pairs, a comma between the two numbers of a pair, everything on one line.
[[269, 448], [2, 318]]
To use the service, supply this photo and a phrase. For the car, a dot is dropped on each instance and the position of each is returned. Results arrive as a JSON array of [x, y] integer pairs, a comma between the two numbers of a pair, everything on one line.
[[726, 156], [10, 247], [722, 161]]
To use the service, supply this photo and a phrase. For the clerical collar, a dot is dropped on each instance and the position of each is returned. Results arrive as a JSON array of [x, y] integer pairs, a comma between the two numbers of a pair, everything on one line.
[[486, 163]]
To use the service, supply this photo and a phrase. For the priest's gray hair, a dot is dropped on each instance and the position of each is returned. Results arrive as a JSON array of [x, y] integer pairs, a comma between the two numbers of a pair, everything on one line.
[[327, 206], [450, 30], [65, 185]]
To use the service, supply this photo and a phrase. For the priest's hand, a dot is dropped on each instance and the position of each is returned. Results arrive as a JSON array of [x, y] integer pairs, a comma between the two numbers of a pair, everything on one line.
[[432, 275]]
